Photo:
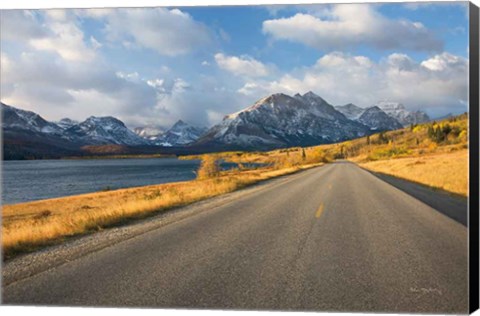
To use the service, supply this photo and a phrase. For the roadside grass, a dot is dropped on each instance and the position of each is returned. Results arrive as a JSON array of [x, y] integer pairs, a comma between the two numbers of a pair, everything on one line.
[[416, 140], [29, 226], [445, 171]]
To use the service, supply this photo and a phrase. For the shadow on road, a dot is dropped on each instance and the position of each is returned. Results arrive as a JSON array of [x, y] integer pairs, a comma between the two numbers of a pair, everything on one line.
[[453, 206]]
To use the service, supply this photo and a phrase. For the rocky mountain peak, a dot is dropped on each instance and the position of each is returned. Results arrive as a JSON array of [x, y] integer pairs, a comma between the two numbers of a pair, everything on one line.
[[401, 114], [179, 124], [66, 123], [390, 105], [280, 120], [26, 120], [377, 119], [180, 134]]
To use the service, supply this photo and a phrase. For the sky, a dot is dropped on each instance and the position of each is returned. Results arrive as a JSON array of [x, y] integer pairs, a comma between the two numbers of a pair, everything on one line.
[[154, 66]]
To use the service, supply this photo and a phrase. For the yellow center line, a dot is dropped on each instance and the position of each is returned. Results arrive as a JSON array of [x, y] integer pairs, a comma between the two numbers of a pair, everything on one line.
[[319, 211]]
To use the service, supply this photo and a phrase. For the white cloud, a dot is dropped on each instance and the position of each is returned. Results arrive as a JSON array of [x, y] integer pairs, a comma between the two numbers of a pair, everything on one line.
[[55, 31], [20, 24], [158, 84], [95, 13], [198, 106], [349, 25], [224, 35], [67, 41], [248, 89], [445, 62], [242, 66], [421, 5], [133, 76], [168, 32], [438, 84], [57, 14], [94, 43], [55, 88]]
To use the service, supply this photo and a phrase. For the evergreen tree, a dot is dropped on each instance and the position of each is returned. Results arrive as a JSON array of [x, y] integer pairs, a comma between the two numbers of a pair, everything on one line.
[[430, 132], [438, 134], [382, 138]]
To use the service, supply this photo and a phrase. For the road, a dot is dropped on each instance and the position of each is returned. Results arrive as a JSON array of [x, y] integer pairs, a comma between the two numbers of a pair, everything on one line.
[[333, 238]]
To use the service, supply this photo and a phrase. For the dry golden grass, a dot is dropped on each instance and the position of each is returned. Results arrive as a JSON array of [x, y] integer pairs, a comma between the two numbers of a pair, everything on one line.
[[278, 158], [415, 153], [446, 171], [28, 226], [408, 142]]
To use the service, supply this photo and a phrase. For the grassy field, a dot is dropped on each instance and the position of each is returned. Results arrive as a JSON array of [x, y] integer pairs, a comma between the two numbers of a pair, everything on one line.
[[28, 226], [446, 171], [434, 154]]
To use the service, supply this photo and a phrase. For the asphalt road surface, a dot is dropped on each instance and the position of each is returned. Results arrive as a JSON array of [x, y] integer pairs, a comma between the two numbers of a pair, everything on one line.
[[333, 238]]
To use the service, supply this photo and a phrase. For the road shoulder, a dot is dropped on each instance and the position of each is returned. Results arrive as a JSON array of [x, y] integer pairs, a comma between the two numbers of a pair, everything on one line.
[[449, 204]]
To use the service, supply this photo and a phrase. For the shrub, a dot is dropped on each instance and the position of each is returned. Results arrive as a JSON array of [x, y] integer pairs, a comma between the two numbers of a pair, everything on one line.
[[43, 214], [209, 168], [319, 155], [388, 152]]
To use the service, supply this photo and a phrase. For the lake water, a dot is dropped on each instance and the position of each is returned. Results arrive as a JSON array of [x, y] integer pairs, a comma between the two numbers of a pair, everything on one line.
[[30, 180]]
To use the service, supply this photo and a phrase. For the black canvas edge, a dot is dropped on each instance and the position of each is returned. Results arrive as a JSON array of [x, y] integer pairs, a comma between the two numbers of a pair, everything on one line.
[[473, 158]]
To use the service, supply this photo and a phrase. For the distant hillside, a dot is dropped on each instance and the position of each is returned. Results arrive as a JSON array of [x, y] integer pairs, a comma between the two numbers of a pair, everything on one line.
[[418, 139], [280, 120], [394, 110]]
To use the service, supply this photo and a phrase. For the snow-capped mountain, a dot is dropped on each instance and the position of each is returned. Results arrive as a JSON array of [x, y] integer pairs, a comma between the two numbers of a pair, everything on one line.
[[26, 135], [65, 123], [394, 110], [149, 132], [179, 134], [319, 106], [26, 120], [104, 130], [378, 120], [401, 114], [280, 120], [351, 111]]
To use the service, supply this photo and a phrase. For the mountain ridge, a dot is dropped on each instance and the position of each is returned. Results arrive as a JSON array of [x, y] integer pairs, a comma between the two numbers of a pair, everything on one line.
[[180, 134], [400, 113], [275, 121], [394, 110], [280, 120]]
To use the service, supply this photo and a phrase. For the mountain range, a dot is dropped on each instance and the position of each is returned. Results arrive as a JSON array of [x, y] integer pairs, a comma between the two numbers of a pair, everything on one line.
[[180, 134], [398, 112], [278, 120]]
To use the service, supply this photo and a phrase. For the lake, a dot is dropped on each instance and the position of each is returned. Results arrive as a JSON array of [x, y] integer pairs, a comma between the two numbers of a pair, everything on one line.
[[30, 180]]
